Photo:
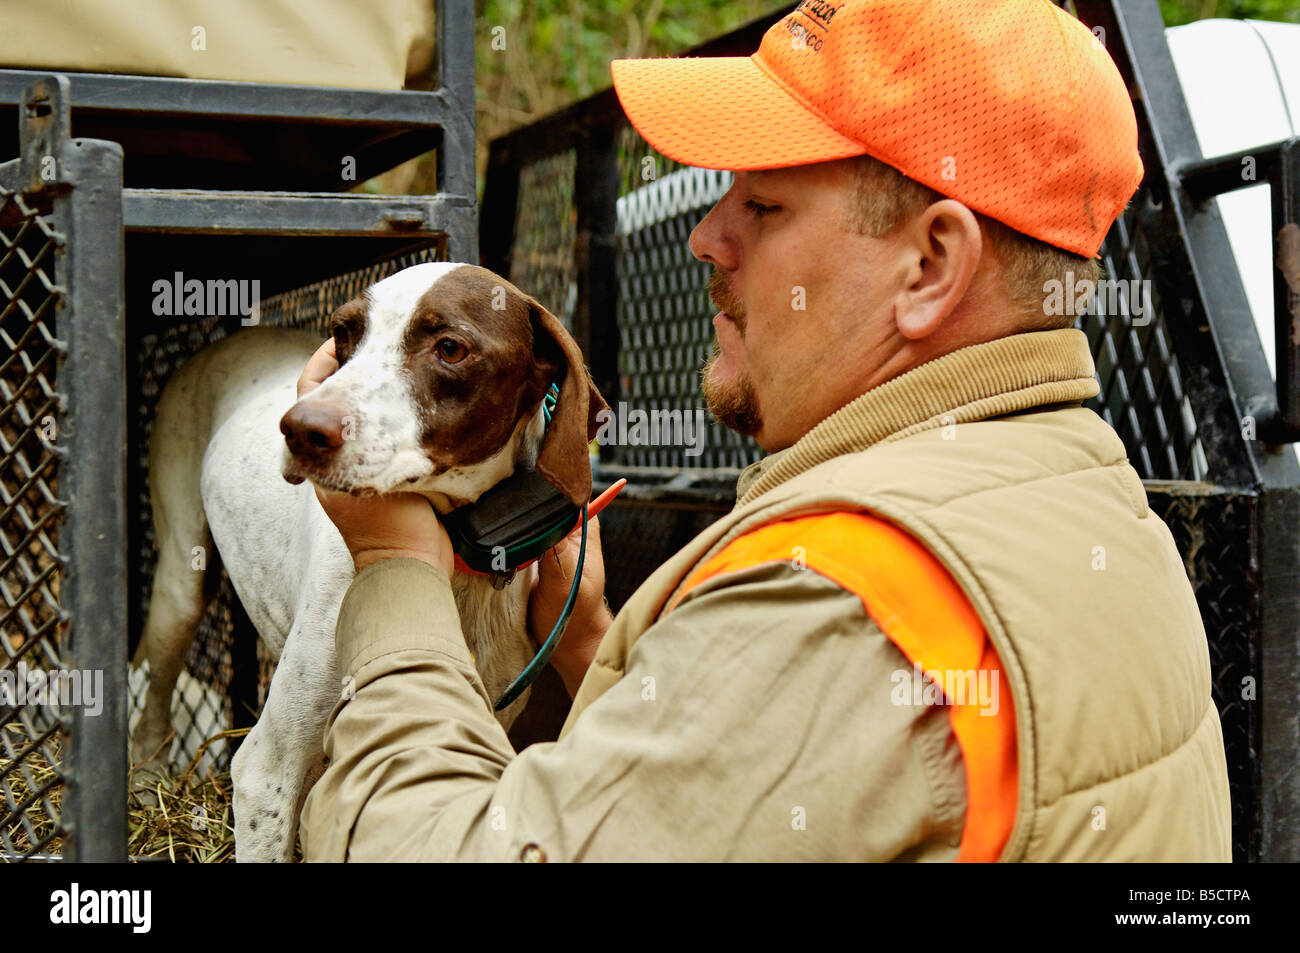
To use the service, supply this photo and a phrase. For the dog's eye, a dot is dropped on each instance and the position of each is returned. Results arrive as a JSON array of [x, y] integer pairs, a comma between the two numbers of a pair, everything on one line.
[[451, 351]]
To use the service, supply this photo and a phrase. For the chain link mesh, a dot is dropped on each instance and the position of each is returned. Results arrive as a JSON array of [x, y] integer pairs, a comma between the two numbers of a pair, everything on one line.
[[33, 734]]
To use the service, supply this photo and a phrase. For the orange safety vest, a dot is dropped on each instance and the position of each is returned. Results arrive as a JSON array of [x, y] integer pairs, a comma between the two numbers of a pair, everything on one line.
[[923, 611]]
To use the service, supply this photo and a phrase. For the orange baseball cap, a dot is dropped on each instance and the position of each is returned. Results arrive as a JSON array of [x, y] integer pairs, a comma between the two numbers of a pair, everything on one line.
[[1012, 107]]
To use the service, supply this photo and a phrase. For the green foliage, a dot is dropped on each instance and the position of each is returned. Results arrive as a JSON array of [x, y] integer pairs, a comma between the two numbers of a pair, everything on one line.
[[1177, 12], [566, 45], [557, 51]]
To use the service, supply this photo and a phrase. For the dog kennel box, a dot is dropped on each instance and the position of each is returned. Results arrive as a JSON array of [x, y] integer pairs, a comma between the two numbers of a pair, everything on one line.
[[118, 182]]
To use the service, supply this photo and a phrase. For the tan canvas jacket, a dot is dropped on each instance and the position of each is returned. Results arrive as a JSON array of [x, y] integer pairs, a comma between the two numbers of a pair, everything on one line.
[[754, 721], [744, 720]]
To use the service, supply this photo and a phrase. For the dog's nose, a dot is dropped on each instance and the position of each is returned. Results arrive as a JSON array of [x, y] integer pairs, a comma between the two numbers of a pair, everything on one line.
[[312, 429]]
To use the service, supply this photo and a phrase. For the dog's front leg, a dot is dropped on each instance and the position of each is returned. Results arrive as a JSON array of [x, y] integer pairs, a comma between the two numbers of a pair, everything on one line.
[[270, 771]]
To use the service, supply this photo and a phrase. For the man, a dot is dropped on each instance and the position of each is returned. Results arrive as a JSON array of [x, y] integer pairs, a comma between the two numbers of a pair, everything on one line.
[[941, 622]]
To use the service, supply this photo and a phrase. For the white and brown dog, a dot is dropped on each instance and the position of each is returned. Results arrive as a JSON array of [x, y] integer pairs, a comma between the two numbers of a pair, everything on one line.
[[443, 368]]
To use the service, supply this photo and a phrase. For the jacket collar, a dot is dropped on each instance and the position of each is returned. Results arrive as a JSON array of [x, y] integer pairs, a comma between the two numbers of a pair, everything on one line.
[[1005, 376]]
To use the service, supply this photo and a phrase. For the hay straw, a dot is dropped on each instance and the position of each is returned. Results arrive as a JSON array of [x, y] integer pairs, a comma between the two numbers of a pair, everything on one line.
[[24, 777], [192, 822]]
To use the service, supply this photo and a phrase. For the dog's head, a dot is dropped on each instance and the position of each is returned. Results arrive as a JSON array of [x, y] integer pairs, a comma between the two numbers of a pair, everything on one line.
[[442, 371]]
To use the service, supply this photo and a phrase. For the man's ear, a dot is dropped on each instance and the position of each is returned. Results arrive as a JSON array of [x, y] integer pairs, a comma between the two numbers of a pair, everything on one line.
[[945, 243], [563, 459]]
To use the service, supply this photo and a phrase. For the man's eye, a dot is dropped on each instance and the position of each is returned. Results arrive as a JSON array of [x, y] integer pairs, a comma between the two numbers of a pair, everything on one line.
[[451, 351], [759, 209], [340, 334]]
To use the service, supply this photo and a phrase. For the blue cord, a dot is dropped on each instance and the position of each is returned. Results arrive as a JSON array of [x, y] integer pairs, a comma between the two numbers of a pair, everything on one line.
[[534, 668], [549, 400]]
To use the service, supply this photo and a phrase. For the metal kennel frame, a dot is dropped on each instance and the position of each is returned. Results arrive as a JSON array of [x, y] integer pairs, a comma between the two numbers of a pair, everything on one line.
[[247, 174], [63, 577], [579, 210]]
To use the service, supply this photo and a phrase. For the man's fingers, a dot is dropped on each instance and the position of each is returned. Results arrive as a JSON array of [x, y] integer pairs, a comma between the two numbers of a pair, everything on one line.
[[322, 364]]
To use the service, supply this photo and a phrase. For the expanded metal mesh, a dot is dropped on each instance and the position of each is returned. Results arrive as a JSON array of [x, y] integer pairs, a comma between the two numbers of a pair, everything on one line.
[[33, 731], [202, 705], [664, 315], [1142, 393], [542, 263]]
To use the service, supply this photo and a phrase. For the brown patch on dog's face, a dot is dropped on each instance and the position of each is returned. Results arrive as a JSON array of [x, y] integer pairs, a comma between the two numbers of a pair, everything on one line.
[[348, 327], [469, 351]]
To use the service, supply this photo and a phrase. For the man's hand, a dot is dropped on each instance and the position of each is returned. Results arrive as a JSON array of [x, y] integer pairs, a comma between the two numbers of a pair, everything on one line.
[[591, 616], [378, 527]]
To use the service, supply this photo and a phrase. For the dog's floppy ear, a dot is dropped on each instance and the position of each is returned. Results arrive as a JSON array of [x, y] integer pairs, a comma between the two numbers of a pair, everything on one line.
[[563, 459]]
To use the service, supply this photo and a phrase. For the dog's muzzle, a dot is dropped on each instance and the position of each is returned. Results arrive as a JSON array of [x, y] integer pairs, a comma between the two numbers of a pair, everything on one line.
[[314, 431]]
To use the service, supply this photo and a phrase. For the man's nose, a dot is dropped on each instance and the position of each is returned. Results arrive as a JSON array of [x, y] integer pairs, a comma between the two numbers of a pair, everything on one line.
[[710, 241], [313, 429]]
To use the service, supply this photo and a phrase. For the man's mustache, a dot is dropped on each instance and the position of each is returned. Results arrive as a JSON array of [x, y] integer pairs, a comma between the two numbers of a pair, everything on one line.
[[720, 294]]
